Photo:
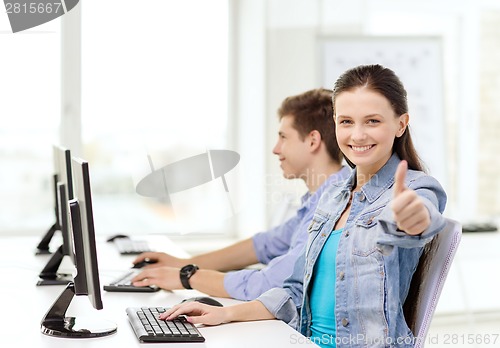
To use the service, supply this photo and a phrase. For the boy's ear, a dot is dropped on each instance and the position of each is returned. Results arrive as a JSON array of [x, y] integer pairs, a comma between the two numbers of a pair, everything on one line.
[[314, 139]]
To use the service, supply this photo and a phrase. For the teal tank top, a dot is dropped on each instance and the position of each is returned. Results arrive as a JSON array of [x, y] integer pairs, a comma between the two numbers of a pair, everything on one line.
[[322, 295]]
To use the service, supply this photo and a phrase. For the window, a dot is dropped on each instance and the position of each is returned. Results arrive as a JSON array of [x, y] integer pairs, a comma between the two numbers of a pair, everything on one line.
[[29, 114], [154, 82]]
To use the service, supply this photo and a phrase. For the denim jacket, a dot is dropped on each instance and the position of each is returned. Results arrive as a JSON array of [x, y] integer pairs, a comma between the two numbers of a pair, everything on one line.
[[374, 262], [278, 248]]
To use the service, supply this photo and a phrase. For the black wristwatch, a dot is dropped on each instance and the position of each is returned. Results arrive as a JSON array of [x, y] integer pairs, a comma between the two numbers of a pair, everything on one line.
[[186, 273]]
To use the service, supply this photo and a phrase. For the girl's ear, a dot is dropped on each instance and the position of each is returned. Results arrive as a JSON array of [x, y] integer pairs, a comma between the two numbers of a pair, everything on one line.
[[404, 119]]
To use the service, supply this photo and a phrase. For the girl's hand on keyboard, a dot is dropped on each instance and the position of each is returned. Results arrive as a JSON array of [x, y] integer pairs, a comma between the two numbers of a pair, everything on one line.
[[197, 313]]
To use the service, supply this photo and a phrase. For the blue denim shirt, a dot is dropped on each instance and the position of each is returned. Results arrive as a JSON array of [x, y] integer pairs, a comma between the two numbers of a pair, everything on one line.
[[278, 248], [374, 263]]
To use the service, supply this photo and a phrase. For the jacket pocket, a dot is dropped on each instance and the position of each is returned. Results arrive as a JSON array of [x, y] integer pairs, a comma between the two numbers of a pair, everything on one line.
[[314, 229], [317, 223], [366, 238], [369, 218]]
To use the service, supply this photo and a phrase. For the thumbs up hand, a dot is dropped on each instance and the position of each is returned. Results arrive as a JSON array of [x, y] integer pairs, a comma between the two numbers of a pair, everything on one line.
[[410, 213]]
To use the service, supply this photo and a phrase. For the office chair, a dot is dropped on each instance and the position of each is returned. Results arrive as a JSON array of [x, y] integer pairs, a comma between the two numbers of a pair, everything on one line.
[[433, 280]]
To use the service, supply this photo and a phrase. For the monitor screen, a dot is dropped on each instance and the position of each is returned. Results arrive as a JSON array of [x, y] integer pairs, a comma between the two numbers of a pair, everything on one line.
[[65, 179], [65, 219], [87, 273], [86, 280], [61, 175], [63, 183]]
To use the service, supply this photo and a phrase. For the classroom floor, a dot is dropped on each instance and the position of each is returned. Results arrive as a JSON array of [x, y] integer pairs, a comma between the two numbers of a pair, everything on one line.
[[473, 330]]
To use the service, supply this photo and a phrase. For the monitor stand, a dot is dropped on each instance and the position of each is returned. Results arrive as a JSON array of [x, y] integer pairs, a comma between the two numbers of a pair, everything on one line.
[[43, 247], [56, 324], [49, 274]]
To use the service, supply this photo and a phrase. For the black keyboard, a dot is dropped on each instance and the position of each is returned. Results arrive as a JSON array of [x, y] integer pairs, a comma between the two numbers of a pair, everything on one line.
[[148, 328], [127, 246], [124, 284]]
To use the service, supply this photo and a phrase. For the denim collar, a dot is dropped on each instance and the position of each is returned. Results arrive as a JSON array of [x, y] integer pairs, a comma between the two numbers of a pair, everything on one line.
[[378, 184], [334, 179]]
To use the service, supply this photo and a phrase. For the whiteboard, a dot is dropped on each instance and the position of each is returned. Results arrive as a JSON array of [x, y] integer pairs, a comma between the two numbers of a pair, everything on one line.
[[418, 63]]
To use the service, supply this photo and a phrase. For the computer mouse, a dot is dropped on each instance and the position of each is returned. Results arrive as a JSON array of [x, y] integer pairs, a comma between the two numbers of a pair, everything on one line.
[[116, 236], [204, 299], [144, 263]]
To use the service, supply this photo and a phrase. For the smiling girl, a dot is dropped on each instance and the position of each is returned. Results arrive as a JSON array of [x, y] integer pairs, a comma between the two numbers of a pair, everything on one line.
[[367, 235]]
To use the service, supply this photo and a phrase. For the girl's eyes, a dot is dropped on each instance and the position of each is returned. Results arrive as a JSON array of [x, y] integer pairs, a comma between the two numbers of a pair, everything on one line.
[[370, 121]]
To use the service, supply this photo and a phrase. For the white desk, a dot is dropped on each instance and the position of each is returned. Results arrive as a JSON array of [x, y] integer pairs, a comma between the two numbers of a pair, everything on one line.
[[23, 302]]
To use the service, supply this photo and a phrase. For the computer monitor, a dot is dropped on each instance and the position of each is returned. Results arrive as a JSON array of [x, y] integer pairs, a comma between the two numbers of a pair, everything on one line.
[[62, 174], [63, 183], [86, 281]]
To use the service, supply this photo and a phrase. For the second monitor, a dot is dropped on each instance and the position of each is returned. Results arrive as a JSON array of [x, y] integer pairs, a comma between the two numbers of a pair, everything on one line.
[[63, 186], [86, 281]]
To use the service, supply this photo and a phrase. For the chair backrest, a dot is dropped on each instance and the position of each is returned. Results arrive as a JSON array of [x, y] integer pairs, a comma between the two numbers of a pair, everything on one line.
[[433, 280]]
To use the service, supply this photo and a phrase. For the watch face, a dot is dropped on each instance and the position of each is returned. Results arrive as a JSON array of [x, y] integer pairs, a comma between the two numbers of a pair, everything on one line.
[[189, 269]]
